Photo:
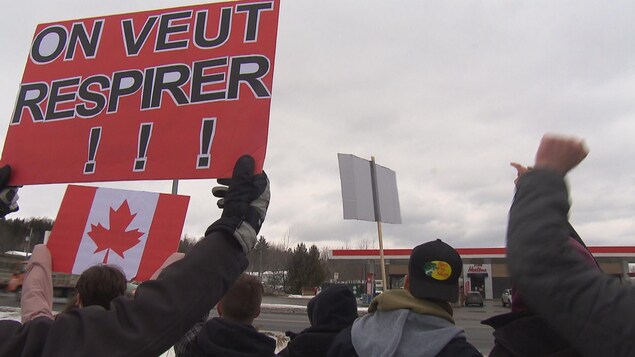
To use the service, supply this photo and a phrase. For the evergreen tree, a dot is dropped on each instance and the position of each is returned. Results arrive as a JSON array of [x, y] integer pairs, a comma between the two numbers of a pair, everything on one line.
[[14, 233], [296, 268], [317, 271]]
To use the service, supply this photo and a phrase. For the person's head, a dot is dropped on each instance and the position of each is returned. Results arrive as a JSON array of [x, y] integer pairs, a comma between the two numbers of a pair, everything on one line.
[[241, 303], [99, 284], [433, 271], [335, 307]]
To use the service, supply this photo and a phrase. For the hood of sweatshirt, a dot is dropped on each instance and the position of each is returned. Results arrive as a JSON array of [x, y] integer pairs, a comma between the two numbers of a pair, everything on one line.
[[333, 309], [399, 324], [329, 312]]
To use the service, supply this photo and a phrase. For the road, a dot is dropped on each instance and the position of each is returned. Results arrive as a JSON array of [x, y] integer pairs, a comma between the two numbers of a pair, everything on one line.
[[468, 318]]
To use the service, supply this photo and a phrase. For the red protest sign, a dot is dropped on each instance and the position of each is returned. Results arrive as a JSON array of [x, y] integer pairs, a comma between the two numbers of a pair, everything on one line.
[[134, 230], [164, 94]]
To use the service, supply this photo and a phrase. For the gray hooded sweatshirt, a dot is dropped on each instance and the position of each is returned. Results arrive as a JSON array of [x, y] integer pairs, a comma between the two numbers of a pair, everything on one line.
[[401, 325]]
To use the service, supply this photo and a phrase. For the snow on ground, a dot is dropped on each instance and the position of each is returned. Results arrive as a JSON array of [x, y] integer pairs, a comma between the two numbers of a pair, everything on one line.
[[9, 313]]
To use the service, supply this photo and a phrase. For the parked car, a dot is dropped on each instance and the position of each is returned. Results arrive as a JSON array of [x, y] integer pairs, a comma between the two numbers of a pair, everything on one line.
[[131, 288], [507, 297], [474, 298]]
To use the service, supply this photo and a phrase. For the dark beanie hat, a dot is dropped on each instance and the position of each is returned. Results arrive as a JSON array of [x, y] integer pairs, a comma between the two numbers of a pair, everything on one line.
[[433, 271]]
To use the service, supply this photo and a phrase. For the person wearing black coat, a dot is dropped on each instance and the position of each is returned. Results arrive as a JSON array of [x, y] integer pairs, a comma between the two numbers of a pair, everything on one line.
[[162, 309], [522, 332], [232, 334], [414, 321], [329, 312], [591, 310]]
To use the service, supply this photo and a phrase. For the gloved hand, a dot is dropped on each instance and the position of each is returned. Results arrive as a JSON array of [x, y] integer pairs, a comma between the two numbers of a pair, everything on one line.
[[8, 194], [244, 202]]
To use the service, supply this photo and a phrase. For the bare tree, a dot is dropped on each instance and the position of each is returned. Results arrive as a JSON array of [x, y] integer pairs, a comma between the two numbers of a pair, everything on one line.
[[324, 253], [364, 243], [286, 240], [186, 243]]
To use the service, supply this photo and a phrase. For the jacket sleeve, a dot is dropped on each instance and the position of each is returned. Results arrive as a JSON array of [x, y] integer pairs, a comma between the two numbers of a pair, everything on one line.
[[161, 312], [171, 259], [37, 288], [593, 311]]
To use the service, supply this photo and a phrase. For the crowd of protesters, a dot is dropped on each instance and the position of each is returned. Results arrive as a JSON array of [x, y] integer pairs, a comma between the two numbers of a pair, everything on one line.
[[153, 321], [563, 304]]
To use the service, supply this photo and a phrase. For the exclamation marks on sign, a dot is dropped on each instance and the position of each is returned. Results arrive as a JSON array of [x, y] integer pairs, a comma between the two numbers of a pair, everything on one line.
[[145, 132], [208, 128], [93, 144]]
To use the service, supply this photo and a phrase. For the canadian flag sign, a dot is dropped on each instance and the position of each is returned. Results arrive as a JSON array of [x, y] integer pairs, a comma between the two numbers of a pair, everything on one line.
[[134, 230], [165, 94]]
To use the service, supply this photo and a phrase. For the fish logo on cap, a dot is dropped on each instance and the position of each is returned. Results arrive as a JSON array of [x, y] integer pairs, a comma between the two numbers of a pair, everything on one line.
[[438, 270]]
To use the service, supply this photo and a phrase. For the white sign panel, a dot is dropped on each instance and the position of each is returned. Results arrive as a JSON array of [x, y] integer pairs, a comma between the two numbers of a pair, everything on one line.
[[357, 190]]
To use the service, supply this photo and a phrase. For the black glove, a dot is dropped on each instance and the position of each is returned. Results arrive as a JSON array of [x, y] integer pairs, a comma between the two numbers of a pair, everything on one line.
[[8, 194], [244, 203]]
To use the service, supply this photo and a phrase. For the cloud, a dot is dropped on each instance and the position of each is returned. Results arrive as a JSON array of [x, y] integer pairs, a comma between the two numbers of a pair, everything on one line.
[[445, 94]]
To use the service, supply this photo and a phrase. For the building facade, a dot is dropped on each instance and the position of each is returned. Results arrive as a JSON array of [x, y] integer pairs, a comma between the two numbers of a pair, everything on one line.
[[484, 269]]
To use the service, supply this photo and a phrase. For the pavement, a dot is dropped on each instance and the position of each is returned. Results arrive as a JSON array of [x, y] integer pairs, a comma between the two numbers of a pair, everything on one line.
[[467, 317]]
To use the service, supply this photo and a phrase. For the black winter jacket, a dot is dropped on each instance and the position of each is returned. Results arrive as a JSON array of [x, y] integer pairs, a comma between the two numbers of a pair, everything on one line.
[[526, 334], [222, 338], [332, 310], [161, 312], [593, 311]]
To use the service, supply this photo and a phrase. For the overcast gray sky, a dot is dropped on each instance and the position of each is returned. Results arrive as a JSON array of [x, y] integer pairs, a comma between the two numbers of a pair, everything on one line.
[[444, 93]]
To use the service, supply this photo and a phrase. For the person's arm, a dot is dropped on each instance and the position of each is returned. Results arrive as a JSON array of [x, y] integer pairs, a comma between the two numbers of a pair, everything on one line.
[[593, 311], [147, 325], [170, 259], [165, 308], [37, 288], [162, 311]]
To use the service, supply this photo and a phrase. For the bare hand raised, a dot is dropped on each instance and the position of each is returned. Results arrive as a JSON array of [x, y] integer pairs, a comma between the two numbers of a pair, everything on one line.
[[560, 154], [520, 170]]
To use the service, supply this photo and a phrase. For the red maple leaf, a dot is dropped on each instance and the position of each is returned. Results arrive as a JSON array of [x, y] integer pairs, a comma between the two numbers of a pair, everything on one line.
[[116, 238]]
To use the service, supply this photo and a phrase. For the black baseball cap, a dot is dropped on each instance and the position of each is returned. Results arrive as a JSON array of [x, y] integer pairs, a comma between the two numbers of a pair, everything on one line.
[[433, 271]]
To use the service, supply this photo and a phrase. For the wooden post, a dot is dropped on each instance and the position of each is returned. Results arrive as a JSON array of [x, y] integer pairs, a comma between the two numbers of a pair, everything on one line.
[[373, 179]]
